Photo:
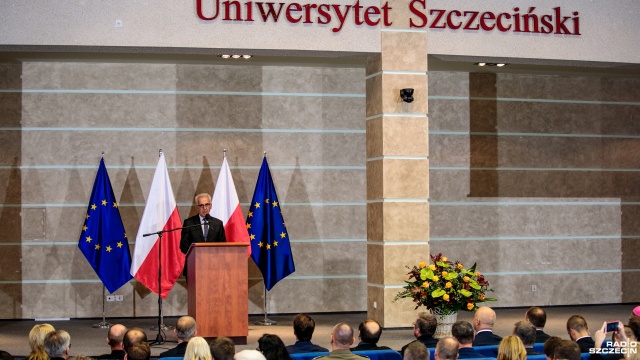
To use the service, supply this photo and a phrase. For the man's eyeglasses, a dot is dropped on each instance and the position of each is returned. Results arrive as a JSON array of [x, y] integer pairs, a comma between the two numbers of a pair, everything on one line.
[[204, 205]]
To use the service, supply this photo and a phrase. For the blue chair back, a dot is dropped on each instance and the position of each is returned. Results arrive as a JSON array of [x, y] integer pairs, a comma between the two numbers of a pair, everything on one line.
[[380, 354], [539, 347], [307, 356], [487, 350], [537, 357]]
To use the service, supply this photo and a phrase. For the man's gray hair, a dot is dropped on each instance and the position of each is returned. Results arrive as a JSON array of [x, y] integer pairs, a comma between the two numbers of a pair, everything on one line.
[[56, 343], [202, 195]]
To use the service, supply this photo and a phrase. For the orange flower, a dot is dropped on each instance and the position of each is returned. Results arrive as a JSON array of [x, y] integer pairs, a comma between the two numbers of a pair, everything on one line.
[[460, 266], [444, 273], [481, 297], [422, 264], [448, 285], [444, 259], [445, 297], [432, 267], [425, 284], [470, 306], [466, 279], [435, 278], [477, 273]]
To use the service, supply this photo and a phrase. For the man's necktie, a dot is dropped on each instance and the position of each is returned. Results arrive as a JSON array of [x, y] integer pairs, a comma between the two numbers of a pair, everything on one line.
[[205, 228]]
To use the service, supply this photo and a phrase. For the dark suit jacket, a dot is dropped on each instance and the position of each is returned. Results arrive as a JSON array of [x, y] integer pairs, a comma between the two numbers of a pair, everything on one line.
[[177, 351], [305, 347], [427, 340], [115, 354], [585, 344], [486, 338], [367, 346], [469, 353], [194, 234], [541, 336]]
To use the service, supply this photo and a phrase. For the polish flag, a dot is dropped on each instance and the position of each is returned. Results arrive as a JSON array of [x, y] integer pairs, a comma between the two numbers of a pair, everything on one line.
[[160, 213], [226, 207]]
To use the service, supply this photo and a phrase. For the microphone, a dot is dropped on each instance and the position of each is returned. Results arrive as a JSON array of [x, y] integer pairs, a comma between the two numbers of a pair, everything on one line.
[[206, 219]]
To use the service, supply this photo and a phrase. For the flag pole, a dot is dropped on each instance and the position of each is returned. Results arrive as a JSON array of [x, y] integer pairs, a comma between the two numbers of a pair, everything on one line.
[[104, 324], [266, 321]]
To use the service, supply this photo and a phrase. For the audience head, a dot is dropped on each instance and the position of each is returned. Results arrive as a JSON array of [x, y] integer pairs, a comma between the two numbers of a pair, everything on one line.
[[133, 336], [185, 328], [567, 350], [526, 332], [57, 344], [115, 336], [577, 327], [370, 331], [197, 349], [5, 355], [537, 316], [222, 348], [249, 355], [511, 348], [341, 336], [484, 318], [138, 351], [634, 325], [636, 311], [303, 326], [446, 349], [425, 324], [36, 340], [416, 351], [272, 347], [80, 357], [550, 346], [463, 332]]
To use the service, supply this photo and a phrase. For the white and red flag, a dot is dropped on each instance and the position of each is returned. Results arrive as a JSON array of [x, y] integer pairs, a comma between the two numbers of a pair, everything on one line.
[[226, 207], [160, 213]]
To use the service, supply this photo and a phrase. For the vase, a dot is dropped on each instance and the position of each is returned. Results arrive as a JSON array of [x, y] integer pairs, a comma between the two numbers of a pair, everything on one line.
[[445, 322]]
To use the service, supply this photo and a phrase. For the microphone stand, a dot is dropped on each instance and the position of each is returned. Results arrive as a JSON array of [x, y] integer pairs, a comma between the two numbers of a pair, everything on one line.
[[161, 327]]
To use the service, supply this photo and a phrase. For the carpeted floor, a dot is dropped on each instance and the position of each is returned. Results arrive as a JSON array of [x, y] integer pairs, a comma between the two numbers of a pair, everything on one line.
[[92, 341]]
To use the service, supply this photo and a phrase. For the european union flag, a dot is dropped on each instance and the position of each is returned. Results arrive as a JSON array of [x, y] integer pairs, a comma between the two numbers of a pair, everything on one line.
[[103, 240], [270, 248]]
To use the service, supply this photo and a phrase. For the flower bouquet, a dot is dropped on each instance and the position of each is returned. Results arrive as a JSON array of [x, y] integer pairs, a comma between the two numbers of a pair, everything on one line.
[[445, 287]]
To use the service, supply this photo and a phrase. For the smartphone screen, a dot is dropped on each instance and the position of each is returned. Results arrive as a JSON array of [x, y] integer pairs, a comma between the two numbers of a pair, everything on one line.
[[612, 326]]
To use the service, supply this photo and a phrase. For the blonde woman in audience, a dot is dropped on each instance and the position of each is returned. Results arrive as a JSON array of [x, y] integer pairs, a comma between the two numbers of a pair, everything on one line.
[[511, 348], [197, 349], [36, 341]]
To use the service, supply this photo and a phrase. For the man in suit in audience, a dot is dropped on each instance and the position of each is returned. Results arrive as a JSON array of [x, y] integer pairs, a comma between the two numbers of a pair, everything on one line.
[[567, 350], [483, 321], [369, 333], [57, 345], [139, 351], [214, 230], [423, 329], [447, 349], [538, 317], [462, 331], [303, 327], [133, 336], [222, 348], [115, 337], [185, 330], [416, 351], [341, 340], [550, 346], [579, 332], [527, 333]]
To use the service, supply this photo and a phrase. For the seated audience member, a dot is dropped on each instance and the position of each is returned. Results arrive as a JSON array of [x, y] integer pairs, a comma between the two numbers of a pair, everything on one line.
[[538, 317], [550, 346], [567, 350], [423, 329], [138, 351], [483, 321], [527, 334], [619, 339], [222, 348], [114, 339], [416, 351], [511, 348], [579, 332], [369, 333], [249, 355], [185, 330], [303, 327], [57, 345], [462, 331], [272, 347], [5, 355], [80, 357], [133, 336], [36, 341], [446, 349], [341, 340], [197, 349]]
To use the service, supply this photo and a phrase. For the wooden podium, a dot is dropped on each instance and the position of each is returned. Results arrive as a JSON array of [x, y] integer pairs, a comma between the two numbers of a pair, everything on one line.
[[217, 283]]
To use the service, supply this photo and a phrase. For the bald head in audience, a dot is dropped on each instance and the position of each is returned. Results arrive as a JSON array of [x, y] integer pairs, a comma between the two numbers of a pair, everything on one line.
[[341, 336], [447, 349]]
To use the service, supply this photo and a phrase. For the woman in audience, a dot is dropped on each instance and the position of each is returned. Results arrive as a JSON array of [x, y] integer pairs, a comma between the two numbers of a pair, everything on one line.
[[511, 348], [36, 341], [197, 349], [272, 347]]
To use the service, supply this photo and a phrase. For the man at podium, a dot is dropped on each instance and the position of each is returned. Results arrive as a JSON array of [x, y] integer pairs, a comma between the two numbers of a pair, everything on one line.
[[210, 229]]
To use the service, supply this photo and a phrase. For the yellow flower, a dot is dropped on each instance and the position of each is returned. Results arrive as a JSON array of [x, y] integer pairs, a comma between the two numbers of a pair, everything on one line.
[[435, 278], [460, 266], [425, 284], [444, 273], [422, 264], [470, 306], [477, 273], [445, 297], [432, 267], [444, 259], [448, 285], [466, 279]]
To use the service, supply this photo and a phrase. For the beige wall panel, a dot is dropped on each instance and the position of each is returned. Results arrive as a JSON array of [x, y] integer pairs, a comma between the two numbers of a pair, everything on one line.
[[406, 178], [376, 179], [10, 76], [406, 221], [630, 219], [533, 255], [375, 227], [375, 140], [398, 257], [375, 263], [11, 301], [525, 220], [313, 112], [405, 136], [399, 313], [303, 79], [11, 107], [375, 95], [390, 96], [630, 253], [10, 145], [373, 65], [406, 51], [448, 83], [11, 263], [630, 288], [329, 258], [146, 302], [451, 150]]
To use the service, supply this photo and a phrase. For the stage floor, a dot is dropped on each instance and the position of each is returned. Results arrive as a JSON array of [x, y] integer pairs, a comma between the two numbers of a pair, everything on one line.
[[87, 340]]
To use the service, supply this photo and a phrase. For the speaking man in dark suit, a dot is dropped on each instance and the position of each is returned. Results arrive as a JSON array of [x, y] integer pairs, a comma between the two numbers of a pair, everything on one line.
[[210, 229]]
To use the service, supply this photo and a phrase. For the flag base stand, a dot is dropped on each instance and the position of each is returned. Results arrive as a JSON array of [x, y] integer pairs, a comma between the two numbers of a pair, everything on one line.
[[266, 322], [102, 325]]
